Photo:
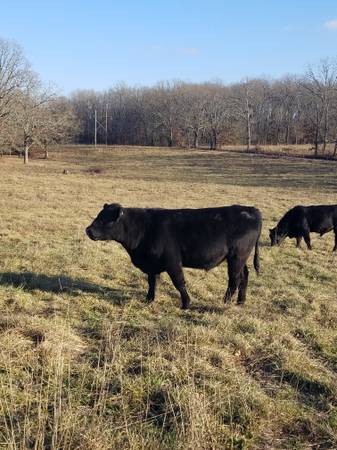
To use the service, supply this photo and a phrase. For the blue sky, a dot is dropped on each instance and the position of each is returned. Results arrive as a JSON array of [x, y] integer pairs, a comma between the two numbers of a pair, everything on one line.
[[96, 44]]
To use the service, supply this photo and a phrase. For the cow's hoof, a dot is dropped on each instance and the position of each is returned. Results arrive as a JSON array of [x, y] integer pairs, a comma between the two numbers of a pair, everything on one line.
[[149, 299]]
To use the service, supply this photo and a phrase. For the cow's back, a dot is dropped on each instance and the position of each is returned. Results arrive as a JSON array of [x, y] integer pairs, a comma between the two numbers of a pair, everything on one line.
[[204, 237], [315, 218], [206, 223], [321, 218]]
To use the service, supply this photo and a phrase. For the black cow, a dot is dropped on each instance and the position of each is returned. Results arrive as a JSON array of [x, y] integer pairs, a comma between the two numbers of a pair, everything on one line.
[[166, 240], [299, 221]]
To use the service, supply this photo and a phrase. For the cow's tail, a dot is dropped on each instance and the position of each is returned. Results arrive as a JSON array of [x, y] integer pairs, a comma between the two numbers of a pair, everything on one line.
[[257, 255]]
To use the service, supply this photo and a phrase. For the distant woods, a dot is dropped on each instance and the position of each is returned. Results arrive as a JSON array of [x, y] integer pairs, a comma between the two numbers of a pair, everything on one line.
[[292, 110]]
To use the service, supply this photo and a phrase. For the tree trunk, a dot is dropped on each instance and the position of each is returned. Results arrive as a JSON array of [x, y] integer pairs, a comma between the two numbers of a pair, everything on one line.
[[316, 138], [26, 154], [316, 147], [287, 132], [316, 143], [278, 135], [335, 149], [317, 131], [214, 139], [146, 139], [324, 145], [194, 143], [170, 138], [195, 136], [325, 130], [249, 137], [211, 147], [46, 154]]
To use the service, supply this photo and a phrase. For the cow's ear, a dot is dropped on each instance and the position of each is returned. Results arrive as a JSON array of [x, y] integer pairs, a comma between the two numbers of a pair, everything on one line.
[[105, 206], [115, 212], [120, 213]]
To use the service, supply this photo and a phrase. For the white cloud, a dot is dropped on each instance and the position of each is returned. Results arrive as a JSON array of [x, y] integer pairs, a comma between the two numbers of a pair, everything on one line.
[[331, 24]]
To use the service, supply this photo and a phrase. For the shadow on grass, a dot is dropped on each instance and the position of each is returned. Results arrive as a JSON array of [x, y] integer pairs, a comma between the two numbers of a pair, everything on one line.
[[312, 392], [29, 281], [283, 154], [231, 168], [203, 308]]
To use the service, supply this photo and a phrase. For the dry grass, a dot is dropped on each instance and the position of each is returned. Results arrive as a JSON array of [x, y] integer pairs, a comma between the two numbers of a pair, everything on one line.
[[85, 363]]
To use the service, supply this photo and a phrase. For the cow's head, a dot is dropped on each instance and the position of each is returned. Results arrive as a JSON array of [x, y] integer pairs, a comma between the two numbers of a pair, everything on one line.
[[107, 225], [276, 238]]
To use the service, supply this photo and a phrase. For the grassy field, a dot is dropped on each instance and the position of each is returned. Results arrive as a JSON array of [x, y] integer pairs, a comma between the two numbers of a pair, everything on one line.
[[85, 363]]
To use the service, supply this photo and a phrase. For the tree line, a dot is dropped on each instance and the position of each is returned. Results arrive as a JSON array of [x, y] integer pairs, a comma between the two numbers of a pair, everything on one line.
[[298, 109], [291, 110]]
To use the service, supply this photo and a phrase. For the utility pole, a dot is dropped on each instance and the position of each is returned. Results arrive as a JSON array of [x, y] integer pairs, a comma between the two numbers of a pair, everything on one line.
[[106, 125], [95, 128], [98, 124]]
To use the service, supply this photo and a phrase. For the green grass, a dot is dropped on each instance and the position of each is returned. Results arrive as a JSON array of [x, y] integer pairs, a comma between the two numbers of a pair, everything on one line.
[[85, 363]]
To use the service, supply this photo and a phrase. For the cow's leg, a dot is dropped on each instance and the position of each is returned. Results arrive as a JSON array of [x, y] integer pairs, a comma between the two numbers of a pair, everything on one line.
[[243, 285], [298, 241], [335, 231], [306, 237], [305, 231], [177, 276], [234, 272], [151, 278]]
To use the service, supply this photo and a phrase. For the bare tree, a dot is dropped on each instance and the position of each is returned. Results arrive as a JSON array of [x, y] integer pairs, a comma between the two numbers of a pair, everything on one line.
[[216, 113], [165, 111], [28, 112], [14, 75], [191, 98], [55, 123], [321, 83], [242, 101]]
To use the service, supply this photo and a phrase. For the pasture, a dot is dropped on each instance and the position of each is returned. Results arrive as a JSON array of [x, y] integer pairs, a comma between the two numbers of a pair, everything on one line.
[[85, 363]]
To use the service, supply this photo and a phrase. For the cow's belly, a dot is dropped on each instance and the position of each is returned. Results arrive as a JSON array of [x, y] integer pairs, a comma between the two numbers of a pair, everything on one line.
[[206, 259], [324, 230], [156, 260], [148, 263], [322, 227]]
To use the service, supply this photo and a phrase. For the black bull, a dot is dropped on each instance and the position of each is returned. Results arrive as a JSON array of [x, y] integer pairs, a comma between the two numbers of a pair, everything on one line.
[[300, 221], [166, 240]]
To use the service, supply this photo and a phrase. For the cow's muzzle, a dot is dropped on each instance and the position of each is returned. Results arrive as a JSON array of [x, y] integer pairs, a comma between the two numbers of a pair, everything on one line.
[[90, 234]]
